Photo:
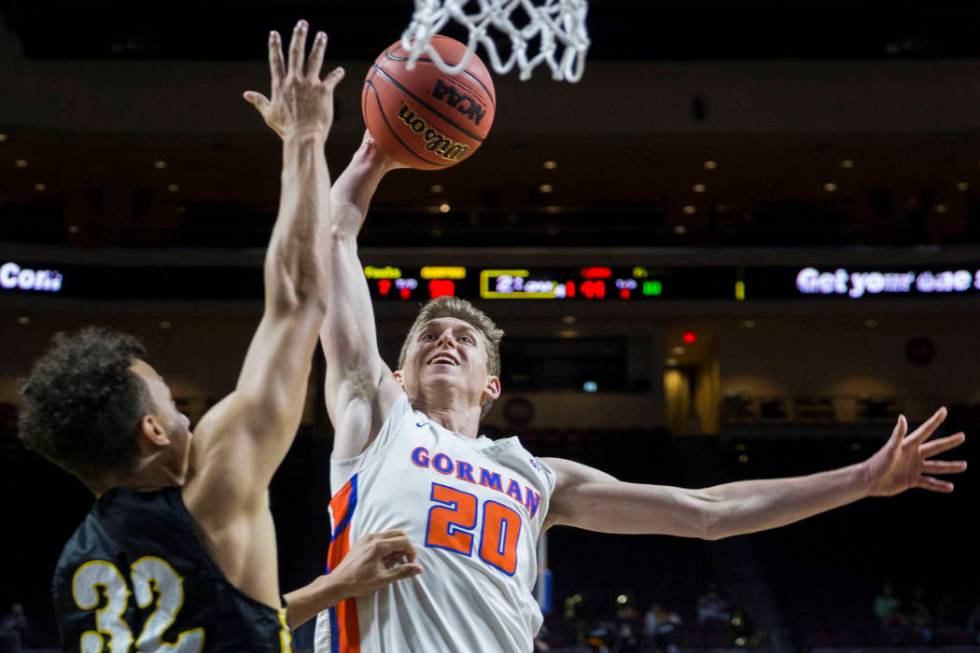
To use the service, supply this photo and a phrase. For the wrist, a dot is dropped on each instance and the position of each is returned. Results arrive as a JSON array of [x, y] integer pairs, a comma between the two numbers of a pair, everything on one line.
[[336, 588], [864, 479], [373, 158], [304, 136]]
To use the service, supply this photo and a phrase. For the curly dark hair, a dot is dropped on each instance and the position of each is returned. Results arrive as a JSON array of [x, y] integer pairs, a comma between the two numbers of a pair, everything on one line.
[[82, 403]]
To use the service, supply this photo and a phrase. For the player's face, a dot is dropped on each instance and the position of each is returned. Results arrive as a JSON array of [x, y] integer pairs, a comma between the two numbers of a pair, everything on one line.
[[447, 351], [172, 421]]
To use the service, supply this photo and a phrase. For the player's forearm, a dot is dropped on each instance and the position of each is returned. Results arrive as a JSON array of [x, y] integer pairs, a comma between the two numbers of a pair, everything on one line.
[[751, 506], [352, 192], [348, 333], [295, 269], [306, 602]]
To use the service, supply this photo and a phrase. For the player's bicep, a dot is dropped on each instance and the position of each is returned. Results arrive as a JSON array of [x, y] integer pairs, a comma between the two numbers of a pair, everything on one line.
[[358, 408], [588, 498], [249, 432], [228, 473]]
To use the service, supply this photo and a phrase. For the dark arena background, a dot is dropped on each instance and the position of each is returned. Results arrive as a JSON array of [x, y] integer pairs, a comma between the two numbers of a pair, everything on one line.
[[739, 248]]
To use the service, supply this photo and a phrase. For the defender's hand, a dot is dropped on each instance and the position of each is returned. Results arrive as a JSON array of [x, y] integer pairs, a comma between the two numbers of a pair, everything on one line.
[[903, 463], [302, 103], [376, 561]]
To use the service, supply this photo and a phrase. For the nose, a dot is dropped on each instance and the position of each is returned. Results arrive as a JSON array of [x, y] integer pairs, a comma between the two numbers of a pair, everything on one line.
[[446, 337]]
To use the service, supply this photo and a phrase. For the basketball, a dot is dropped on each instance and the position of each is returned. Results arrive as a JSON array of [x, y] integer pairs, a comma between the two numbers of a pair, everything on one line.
[[425, 118]]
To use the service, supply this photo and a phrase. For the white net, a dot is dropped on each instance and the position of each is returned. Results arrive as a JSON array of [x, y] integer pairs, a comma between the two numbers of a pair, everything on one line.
[[556, 27]]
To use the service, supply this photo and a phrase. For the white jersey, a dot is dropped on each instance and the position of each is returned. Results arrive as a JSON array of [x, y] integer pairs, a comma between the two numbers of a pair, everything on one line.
[[474, 509]]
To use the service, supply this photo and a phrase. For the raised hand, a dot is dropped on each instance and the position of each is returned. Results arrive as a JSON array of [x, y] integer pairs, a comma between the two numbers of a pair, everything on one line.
[[904, 462], [374, 156], [302, 103]]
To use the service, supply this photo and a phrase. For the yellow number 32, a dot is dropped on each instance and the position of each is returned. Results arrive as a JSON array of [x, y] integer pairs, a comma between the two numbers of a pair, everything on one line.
[[152, 578]]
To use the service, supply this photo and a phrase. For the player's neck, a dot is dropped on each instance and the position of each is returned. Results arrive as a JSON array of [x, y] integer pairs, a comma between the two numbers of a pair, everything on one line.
[[152, 473], [456, 416]]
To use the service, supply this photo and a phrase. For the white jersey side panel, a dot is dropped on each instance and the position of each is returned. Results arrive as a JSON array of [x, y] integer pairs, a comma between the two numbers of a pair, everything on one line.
[[474, 510]]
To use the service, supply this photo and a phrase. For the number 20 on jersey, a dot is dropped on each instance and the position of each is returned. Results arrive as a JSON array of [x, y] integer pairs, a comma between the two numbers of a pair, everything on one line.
[[452, 526]]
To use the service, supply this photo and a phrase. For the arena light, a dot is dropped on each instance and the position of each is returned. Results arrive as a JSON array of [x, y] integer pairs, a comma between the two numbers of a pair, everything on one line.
[[740, 291], [942, 208], [173, 188], [590, 386], [550, 164], [963, 186], [690, 209], [690, 337], [3, 137], [160, 165], [546, 188], [748, 324], [700, 188], [40, 188], [436, 188], [847, 164], [710, 165], [680, 230], [445, 208], [871, 323], [678, 351], [830, 187], [20, 163], [23, 320]]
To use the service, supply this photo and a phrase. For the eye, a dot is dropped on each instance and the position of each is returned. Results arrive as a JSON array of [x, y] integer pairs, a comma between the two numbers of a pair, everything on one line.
[[429, 336], [466, 339]]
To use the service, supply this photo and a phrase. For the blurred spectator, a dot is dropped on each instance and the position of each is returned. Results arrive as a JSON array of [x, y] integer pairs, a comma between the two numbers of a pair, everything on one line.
[[920, 617], [628, 629], [887, 608], [973, 622], [13, 628], [661, 626], [713, 607]]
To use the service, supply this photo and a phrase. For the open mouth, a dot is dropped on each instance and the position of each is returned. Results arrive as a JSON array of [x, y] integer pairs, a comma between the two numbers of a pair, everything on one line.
[[443, 359]]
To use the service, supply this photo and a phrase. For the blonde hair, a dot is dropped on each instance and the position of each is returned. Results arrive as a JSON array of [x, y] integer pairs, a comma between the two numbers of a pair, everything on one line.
[[461, 310], [465, 311]]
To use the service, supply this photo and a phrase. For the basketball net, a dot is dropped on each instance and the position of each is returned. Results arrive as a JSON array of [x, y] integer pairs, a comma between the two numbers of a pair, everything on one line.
[[558, 26]]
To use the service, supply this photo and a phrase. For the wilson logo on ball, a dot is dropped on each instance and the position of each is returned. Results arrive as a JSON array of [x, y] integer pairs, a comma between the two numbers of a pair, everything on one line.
[[465, 104], [434, 141]]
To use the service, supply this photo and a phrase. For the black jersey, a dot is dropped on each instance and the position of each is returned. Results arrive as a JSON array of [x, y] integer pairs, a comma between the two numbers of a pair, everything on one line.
[[135, 577]]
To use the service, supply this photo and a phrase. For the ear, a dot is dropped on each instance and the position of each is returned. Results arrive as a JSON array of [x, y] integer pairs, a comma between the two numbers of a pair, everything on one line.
[[400, 377], [151, 430], [492, 389]]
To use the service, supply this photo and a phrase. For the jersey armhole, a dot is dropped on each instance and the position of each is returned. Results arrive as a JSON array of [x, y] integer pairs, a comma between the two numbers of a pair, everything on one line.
[[342, 469]]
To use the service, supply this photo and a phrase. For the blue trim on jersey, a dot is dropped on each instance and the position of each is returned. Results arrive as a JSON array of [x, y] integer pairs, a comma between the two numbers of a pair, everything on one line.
[[334, 632], [344, 523], [349, 513]]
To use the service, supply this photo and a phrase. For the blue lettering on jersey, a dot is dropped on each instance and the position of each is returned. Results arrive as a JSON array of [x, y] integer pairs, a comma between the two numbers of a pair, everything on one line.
[[444, 464], [490, 479], [514, 491]]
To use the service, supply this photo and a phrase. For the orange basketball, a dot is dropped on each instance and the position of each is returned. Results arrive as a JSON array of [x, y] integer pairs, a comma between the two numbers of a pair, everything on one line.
[[425, 118]]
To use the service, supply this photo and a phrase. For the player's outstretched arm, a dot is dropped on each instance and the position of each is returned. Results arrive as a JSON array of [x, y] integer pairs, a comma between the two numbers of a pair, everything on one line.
[[372, 563], [359, 386], [587, 498], [240, 442]]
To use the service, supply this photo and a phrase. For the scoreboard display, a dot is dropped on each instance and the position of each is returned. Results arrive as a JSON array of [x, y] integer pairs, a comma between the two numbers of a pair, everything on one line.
[[585, 283], [643, 283]]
